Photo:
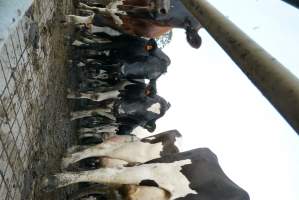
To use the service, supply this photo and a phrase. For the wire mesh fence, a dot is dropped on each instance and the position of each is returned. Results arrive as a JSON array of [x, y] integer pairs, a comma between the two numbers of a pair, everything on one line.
[[24, 76]]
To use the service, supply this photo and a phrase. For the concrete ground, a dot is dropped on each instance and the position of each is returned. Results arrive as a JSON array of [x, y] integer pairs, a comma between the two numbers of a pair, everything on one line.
[[34, 114]]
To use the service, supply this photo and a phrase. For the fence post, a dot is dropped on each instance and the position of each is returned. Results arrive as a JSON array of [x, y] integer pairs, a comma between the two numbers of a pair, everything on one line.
[[275, 82]]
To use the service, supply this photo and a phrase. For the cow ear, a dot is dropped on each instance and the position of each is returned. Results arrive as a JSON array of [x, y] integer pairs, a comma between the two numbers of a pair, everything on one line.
[[193, 38]]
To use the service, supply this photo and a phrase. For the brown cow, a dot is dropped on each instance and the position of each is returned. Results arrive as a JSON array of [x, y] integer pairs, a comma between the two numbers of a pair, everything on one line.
[[145, 23]]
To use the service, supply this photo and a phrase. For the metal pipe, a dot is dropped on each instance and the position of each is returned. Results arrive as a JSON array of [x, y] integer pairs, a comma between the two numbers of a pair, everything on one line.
[[294, 3], [275, 82]]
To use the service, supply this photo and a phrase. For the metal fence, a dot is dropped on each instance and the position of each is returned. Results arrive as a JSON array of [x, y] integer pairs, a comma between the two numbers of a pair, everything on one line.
[[21, 80]]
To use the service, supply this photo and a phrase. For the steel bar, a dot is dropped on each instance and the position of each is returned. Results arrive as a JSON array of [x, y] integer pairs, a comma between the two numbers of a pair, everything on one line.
[[274, 80]]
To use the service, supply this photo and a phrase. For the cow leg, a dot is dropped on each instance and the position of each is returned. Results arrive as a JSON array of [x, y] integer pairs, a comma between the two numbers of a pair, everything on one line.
[[89, 135], [107, 162], [93, 8], [104, 149], [111, 10], [167, 175], [75, 19], [97, 130], [100, 96], [85, 43], [106, 136], [104, 2], [75, 157], [111, 147], [102, 136], [107, 30], [104, 176], [93, 190], [76, 148], [133, 191], [89, 113], [130, 151]]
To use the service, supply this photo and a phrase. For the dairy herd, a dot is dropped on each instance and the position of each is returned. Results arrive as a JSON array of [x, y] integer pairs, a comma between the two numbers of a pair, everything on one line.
[[118, 67]]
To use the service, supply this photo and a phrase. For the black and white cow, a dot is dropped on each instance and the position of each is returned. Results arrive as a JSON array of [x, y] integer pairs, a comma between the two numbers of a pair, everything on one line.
[[138, 111], [130, 90], [125, 149], [128, 57], [191, 175], [122, 47]]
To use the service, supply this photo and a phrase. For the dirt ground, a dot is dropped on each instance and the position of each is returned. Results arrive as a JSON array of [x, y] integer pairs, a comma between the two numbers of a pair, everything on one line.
[[40, 86], [54, 131]]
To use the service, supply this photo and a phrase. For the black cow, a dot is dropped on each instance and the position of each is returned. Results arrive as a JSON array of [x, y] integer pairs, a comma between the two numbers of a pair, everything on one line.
[[129, 57]]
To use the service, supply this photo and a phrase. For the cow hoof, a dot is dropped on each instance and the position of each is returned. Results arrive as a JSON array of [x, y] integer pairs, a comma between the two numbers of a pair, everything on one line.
[[76, 3], [73, 95], [64, 163], [72, 117], [68, 19], [49, 183], [71, 150], [70, 96]]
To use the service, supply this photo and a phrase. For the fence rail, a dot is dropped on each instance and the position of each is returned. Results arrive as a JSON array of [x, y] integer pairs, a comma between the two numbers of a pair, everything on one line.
[[275, 81]]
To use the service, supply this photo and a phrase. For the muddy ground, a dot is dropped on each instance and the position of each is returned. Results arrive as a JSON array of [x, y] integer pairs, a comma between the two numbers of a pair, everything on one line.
[[54, 131], [36, 102]]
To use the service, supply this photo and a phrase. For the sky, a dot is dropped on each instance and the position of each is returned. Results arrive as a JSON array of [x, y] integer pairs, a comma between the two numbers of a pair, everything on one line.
[[214, 105]]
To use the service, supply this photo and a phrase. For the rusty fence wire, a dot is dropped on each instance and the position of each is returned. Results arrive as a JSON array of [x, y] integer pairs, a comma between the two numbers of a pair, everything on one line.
[[19, 90]]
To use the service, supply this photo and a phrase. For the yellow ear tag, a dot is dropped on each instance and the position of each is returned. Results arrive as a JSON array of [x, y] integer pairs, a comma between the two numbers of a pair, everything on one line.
[[149, 47]]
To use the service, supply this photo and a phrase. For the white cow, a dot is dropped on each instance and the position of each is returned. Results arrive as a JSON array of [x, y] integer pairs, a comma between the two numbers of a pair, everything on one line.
[[191, 175], [121, 150]]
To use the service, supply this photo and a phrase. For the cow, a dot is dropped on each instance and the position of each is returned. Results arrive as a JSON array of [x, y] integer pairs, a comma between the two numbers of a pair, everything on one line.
[[134, 6], [123, 47], [128, 148], [129, 57], [148, 25], [190, 175], [130, 90], [138, 111]]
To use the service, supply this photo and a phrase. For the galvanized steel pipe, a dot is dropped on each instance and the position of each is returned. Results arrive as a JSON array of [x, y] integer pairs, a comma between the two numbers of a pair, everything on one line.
[[274, 80]]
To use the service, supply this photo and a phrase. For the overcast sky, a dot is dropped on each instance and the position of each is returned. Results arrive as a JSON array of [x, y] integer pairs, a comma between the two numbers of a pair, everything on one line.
[[214, 104]]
